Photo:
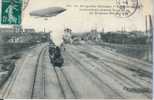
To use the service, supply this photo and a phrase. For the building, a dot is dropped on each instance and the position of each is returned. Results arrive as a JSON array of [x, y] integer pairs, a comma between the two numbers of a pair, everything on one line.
[[29, 30], [14, 29], [6, 30], [94, 35], [18, 29], [67, 37]]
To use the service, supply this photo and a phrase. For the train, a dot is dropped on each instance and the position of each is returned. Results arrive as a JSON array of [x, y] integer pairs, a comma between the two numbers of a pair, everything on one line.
[[55, 55]]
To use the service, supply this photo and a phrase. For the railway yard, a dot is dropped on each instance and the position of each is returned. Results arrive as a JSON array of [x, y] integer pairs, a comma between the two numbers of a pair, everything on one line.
[[89, 71]]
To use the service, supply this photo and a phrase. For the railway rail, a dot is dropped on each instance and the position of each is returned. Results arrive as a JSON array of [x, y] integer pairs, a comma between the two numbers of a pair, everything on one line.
[[38, 88], [8, 87], [107, 76], [113, 72], [64, 84]]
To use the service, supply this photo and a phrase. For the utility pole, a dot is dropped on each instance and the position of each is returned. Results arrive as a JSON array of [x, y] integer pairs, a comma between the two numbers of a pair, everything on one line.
[[149, 34], [146, 27], [150, 39], [44, 30]]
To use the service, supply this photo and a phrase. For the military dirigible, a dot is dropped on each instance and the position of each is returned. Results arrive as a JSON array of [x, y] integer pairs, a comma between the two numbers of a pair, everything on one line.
[[47, 12]]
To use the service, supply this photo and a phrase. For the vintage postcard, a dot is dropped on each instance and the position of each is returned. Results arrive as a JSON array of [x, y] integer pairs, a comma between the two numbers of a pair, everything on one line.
[[76, 49]]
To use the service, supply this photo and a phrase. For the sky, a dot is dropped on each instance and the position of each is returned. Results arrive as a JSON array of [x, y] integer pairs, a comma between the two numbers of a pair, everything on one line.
[[80, 21]]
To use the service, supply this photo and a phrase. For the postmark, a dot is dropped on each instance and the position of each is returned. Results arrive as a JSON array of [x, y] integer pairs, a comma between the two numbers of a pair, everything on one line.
[[125, 8], [11, 12]]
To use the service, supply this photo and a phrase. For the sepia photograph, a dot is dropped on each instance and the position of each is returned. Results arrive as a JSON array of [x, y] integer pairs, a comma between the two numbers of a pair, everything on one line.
[[76, 49]]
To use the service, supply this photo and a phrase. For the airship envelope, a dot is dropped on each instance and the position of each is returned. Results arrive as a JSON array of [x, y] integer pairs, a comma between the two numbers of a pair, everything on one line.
[[47, 12]]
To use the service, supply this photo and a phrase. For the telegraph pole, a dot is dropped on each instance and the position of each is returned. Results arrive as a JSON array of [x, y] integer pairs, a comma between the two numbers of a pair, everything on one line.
[[150, 39], [149, 34]]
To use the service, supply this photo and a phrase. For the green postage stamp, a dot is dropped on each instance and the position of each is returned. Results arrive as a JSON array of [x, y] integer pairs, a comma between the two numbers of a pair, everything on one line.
[[11, 12]]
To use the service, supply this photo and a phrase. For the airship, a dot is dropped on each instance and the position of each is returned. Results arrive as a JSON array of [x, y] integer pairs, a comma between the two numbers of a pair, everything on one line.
[[47, 12]]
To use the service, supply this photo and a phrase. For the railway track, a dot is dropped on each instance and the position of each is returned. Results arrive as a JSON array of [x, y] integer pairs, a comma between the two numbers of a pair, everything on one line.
[[124, 80], [123, 65], [64, 84], [38, 88], [39, 84], [9, 84], [6, 90], [123, 59], [66, 88], [114, 72], [96, 80]]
